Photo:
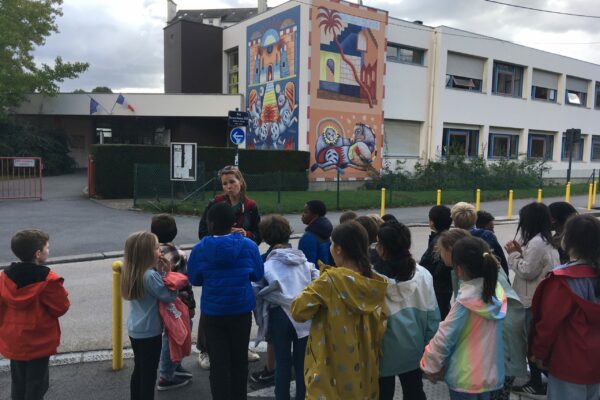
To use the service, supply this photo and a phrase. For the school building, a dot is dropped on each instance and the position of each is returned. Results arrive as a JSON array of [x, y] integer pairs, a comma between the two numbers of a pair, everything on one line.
[[359, 89]]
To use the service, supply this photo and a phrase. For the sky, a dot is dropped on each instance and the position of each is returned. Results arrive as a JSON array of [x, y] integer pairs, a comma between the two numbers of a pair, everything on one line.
[[123, 39]]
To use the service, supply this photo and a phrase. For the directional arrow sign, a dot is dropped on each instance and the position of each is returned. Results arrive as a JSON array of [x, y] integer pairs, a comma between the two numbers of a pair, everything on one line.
[[238, 135]]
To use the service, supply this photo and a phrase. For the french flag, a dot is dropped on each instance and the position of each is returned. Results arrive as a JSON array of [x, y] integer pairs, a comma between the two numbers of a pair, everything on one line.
[[121, 100]]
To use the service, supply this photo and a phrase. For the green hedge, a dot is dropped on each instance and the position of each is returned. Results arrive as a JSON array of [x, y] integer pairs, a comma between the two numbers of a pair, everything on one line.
[[115, 163]]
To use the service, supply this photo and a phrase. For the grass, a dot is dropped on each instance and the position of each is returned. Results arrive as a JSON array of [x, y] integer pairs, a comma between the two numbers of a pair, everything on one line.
[[293, 202]]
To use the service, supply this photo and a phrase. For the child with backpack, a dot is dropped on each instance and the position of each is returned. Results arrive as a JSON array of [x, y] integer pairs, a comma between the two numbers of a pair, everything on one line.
[[345, 306], [468, 351], [565, 334], [172, 375], [32, 298], [142, 284], [314, 243], [413, 314]]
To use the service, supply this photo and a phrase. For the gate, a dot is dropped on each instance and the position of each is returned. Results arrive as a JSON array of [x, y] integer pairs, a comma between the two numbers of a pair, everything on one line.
[[21, 178]]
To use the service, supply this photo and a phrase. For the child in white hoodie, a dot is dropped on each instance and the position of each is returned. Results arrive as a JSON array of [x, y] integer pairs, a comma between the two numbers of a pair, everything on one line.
[[287, 273]]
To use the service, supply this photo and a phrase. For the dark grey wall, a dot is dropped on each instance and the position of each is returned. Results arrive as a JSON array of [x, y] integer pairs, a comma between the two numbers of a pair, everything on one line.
[[172, 62], [202, 55]]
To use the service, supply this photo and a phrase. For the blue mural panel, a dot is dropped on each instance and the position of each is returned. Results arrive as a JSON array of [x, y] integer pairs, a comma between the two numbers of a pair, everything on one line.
[[272, 81]]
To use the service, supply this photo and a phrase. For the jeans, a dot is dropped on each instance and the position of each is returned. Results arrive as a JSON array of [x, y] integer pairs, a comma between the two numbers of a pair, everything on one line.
[[227, 339], [560, 390], [284, 337], [30, 380], [168, 367], [412, 386], [469, 396], [146, 354]]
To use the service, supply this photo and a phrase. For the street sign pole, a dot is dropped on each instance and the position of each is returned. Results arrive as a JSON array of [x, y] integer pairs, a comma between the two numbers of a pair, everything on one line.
[[570, 142]]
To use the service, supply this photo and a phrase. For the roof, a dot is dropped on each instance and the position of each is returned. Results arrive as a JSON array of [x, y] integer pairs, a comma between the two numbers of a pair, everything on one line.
[[226, 15]]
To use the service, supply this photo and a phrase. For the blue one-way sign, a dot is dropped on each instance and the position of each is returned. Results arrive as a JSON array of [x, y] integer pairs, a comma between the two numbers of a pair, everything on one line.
[[237, 135]]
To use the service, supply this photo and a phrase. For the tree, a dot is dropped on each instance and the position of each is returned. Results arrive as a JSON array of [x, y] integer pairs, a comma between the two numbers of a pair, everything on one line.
[[79, 91], [25, 24], [102, 89]]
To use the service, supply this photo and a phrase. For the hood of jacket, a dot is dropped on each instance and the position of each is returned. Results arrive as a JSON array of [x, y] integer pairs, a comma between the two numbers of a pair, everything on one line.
[[222, 250], [321, 227], [469, 295], [290, 257], [360, 294], [22, 283]]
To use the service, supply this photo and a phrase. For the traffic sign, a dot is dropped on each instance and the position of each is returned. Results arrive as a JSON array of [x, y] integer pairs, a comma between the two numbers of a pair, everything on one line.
[[238, 135], [237, 118]]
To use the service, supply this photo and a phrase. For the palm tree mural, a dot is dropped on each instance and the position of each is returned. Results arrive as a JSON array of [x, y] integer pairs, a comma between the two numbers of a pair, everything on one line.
[[331, 22]]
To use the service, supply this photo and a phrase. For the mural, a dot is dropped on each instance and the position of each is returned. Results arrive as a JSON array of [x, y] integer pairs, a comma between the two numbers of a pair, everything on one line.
[[272, 73], [346, 113]]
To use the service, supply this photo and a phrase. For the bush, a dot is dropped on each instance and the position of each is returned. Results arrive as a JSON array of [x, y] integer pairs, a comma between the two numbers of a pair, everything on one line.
[[52, 145], [460, 173], [115, 165]]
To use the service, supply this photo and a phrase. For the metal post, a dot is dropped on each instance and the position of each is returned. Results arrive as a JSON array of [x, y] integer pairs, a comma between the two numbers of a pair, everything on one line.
[[568, 192], [595, 190], [117, 309], [590, 196], [338, 191], [539, 195], [382, 210], [439, 197], [478, 200], [510, 204], [570, 133]]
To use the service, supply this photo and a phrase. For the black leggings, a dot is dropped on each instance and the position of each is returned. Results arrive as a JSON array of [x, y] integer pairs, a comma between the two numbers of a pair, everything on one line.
[[30, 379], [412, 386], [146, 354]]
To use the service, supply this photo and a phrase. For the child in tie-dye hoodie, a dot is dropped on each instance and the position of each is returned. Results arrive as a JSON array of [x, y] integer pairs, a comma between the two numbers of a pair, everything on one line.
[[467, 351]]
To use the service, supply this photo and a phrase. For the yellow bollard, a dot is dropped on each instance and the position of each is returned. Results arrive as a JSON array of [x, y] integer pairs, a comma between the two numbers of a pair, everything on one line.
[[478, 200], [590, 195], [382, 202], [539, 198], [510, 204], [439, 197], [117, 308], [595, 189], [568, 192]]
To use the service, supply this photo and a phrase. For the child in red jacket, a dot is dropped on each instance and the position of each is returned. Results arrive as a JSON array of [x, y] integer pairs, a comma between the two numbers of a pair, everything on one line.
[[565, 336], [32, 298]]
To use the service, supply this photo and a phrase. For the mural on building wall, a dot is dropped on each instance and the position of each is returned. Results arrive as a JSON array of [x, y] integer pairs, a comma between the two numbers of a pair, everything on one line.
[[272, 76], [346, 113]]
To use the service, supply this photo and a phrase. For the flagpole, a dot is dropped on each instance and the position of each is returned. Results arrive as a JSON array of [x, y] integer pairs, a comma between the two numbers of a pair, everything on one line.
[[113, 107]]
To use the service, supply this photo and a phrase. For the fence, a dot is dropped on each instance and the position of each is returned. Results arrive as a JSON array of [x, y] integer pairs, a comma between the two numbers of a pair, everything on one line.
[[21, 178]]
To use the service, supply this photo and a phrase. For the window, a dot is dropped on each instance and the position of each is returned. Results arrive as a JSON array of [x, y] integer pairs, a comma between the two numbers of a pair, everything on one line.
[[544, 85], [401, 138], [405, 54], [232, 71], [462, 82], [540, 146], [576, 93], [460, 142], [597, 104], [508, 79], [595, 148], [577, 149], [503, 146], [464, 72], [542, 93]]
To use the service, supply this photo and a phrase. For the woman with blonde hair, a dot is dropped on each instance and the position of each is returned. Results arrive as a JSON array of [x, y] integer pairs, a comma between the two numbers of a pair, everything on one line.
[[143, 286]]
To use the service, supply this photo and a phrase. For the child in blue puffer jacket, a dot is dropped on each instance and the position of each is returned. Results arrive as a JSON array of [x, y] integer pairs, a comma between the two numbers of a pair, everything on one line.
[[224, 263]]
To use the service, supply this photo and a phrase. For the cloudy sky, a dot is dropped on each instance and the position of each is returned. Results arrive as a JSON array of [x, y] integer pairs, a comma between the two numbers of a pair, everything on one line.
[[123, 39]]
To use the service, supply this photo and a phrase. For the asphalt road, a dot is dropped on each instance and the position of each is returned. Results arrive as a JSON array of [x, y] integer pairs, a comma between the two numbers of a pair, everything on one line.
[[79, 226]]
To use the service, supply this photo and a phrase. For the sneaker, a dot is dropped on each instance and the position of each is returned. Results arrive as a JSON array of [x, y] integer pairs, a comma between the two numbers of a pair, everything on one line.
[[182, 372], [204, 361], [265, 376], [531, 390], [177, 381], [253, 356]]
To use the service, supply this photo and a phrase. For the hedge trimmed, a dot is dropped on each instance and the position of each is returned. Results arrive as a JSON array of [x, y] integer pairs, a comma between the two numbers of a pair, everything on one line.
[[114, 163]]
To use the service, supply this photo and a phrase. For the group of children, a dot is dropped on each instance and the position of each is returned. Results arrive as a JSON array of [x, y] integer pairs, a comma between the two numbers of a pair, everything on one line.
[[348, 310]]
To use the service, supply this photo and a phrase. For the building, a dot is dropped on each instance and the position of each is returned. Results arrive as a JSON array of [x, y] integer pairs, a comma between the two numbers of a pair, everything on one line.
[[363, 91]]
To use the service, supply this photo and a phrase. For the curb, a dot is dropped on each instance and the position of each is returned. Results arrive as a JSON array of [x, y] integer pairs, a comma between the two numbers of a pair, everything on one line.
[[106, 355]]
